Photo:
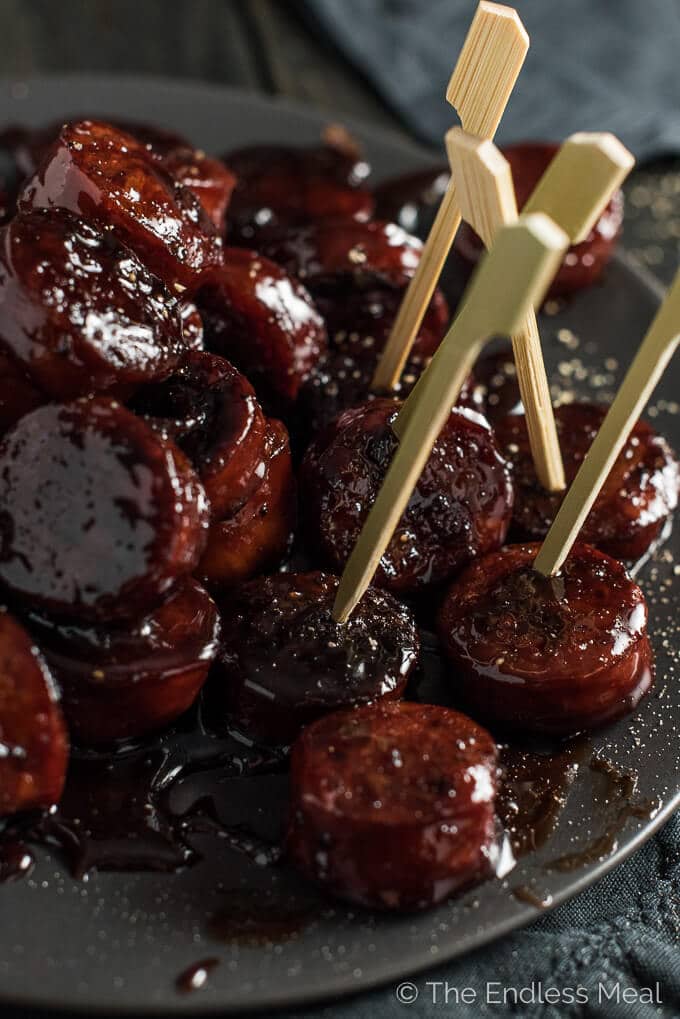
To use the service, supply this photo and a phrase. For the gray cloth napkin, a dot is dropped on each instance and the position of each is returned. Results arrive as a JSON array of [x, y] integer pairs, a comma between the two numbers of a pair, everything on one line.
[[593, 65]]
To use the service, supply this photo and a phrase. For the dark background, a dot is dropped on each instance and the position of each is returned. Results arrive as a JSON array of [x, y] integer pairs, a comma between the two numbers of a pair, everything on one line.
[[269, 46]]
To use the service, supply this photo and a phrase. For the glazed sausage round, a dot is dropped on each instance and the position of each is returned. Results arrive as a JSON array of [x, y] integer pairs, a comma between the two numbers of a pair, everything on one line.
[[583, 263], [99, 515], [280, 186], [209, 180], [283, 661], [329, 257], [264, 321], [635, 500], [120, 683], [392, 805], [18, 394], [32, 732], [547, 654], [460, 508], [210, 410], [105, 176], [255, 538], [79, 310]]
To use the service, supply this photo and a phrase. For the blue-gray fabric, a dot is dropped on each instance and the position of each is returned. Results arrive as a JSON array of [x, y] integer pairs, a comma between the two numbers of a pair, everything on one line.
[[593, 65]]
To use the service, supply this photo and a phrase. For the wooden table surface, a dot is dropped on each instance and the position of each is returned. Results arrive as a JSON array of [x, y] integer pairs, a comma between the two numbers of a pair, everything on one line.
[[265, 46]]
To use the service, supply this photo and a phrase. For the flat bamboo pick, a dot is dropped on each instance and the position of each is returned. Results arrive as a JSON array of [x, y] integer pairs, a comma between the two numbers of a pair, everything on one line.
[[510, 279], [573, 191], [648, 366], [479, 90], [486, 194]]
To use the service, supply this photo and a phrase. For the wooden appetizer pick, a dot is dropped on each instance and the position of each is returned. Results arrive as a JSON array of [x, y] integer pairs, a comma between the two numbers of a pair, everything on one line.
[[647, 367], [573, 192], [479, 90], [511, 278]]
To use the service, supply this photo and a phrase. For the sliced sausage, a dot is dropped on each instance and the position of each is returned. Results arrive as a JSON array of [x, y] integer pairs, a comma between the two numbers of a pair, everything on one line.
[[122, 682], [265, 322], [555, 655], [583, 263], [79, 310], [283, 661], [255, 538], [392, 805], [33, 739], [210, 410], [635, 501], [460, 508], [99, 515], [329, 257], [284, 185], [105, 176]]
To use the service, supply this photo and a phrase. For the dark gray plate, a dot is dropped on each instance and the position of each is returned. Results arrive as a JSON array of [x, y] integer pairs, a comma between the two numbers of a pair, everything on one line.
[[118, 941]]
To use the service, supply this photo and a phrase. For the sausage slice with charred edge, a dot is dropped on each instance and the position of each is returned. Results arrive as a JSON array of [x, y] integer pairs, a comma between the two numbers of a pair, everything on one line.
[[210, 410], [547, 654], [254, 539], [635, 501], [105, 176], [460, 508], [392, 805]]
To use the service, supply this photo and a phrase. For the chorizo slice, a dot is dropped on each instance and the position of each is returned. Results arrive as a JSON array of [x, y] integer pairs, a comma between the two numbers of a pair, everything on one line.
[[460, 508], [79, 310], [282, 186], [208, 178], [550, 655], [264, 321], [99, 515], [635, 501], [103, 175], [583, 263], [210, 410], [329, 257], [392, 805], [255, 538]]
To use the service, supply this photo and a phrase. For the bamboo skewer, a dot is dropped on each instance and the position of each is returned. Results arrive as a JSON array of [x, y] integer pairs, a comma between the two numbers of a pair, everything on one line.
[[573, 192], [510, 279], [647, 367], [482, 81], [486, 193]]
